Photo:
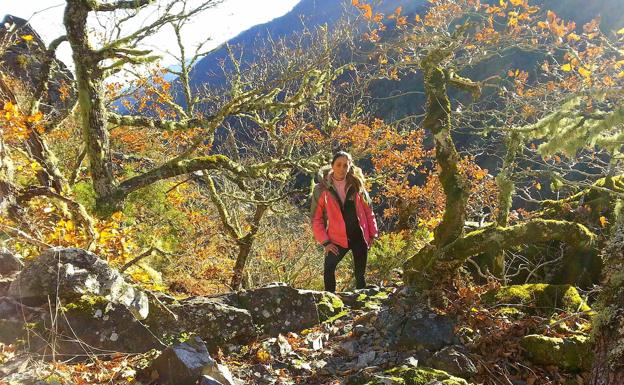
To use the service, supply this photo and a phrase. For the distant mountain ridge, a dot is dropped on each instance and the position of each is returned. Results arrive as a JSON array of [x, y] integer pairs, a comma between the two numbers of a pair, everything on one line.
[[314, 13]]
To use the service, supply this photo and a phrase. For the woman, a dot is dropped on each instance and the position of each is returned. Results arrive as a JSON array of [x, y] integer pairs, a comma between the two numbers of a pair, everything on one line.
[[342, 218]]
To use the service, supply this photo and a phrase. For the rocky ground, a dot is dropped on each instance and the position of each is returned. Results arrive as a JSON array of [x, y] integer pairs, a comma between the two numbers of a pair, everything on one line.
[[107, 331]]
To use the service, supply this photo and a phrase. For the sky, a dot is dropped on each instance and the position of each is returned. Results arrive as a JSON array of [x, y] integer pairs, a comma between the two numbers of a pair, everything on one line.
[[221, 23]]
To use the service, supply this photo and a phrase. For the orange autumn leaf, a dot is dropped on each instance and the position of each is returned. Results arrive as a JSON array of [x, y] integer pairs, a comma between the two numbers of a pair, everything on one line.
[[368, 11]]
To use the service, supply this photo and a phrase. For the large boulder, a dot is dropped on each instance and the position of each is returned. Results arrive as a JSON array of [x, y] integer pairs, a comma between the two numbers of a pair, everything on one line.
[[70, 273], [541, 298], [279, 308], [94, 324], [217, 320], [570, 353]]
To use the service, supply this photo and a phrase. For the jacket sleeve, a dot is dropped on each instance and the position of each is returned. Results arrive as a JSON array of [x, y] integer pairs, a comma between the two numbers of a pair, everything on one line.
[[373, 231], [317, 213]]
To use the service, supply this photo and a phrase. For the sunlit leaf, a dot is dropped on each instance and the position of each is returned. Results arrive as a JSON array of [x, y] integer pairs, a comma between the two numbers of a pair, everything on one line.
[[574, 37], [585, 72], [368, 11]]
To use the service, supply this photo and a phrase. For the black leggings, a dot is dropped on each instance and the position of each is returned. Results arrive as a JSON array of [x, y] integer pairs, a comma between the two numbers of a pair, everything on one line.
[[360, 254]]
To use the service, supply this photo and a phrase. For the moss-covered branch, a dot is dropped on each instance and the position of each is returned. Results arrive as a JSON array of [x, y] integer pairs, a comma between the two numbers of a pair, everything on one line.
[[166, 125], [436, 265], [121, 4]]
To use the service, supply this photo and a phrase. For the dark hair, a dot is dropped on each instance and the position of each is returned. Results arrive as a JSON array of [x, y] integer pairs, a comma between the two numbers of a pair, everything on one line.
[[355, 176], [339, 154]]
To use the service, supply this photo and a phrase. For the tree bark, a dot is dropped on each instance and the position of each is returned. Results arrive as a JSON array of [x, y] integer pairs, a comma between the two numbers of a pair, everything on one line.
[[456, 186], [608, 367], [90, 84], [245, 245]]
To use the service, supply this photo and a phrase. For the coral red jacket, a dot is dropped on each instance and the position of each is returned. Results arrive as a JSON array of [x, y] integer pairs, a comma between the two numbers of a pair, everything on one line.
[[327, 221]]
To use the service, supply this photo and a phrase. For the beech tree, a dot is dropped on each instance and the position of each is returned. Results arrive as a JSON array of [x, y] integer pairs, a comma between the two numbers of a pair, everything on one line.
[[93, 65], [451, 38]]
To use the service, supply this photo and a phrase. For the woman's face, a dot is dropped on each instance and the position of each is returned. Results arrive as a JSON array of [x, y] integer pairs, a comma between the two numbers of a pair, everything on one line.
[[341, 167]]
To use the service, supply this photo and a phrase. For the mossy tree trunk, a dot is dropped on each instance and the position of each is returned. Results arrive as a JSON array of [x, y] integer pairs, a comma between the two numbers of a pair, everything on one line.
[[438, 122], [506, 188], [90, 85], [454, 183], [608, 368], [245, 246]]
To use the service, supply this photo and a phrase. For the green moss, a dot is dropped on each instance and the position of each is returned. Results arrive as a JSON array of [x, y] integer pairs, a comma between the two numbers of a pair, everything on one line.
[[510, 311], [88, 304], [571, 353], [337, 316], [329, 306], [411, 376], [539, 297]]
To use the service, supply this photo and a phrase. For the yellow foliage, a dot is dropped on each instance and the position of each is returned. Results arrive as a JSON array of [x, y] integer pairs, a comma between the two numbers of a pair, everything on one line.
[[263, 356], [574, 37], [585, 72]]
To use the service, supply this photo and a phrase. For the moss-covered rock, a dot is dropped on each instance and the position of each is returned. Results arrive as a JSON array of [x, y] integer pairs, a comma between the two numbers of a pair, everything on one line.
[[570, 353], [409, 376], [96, 322], [328, 306], [542, 298]]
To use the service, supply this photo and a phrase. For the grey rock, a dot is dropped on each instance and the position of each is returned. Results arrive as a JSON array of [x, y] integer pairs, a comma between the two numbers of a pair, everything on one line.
[[349, 347], [9, 263], [216, 320], [284, 346], [360, 330], [207, 380], [98, 323], [417, 330], [71, 273], [220, 373], [182, 364], [280, 309], [315, 341], [365, 359], [411, 361], [454, 362], [5, 283]]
